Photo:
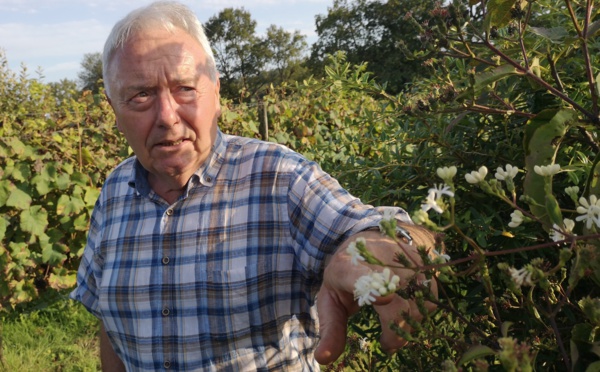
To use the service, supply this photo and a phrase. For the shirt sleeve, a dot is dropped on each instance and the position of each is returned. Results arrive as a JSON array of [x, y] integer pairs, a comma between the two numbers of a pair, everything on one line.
[[323, 215], [89, 274]]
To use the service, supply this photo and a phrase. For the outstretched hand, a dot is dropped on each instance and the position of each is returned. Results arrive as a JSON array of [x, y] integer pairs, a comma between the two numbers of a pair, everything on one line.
[[336, 303]]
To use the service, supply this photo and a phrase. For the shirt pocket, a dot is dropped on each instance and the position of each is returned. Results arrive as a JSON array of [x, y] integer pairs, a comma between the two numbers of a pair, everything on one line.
[[225, 298]]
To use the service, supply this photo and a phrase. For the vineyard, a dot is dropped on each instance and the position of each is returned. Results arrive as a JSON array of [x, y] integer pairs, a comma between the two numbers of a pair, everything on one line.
[[507, 123]]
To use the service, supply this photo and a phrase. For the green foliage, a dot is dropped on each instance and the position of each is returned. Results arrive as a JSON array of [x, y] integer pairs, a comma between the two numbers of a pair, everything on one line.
[[49, 182], [90, 75], [248, 63], [376, 33]]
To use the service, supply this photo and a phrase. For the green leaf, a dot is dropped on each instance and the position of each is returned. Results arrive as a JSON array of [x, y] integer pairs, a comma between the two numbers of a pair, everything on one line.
[[5, 188], [556, 35], [484, 79], [42, 185], [63, 181], [18, 199], [593, 367], [91, 195], [81, 222], [69, 206], [498, 13], [4, 223], [543, 135], [61, 278], [49, 171], [18, 147], [505, 328], [80, 179], [593, 29], [553, 209], [21, 172], [591, 308], [475, 352], [54, 254], [34, 220]]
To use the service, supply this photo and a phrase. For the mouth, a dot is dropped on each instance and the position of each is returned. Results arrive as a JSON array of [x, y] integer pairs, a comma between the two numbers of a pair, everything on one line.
[[171, 143]]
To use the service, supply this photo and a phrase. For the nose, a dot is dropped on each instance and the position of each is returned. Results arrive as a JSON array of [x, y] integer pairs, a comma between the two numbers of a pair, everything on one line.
[[167, 115]]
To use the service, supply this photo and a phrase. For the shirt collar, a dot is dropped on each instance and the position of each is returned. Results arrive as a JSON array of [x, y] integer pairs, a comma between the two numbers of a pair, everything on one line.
[[206, 174]]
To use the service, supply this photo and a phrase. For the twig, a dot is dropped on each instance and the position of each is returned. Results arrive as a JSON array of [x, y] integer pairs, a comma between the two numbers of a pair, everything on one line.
[[593, 118]]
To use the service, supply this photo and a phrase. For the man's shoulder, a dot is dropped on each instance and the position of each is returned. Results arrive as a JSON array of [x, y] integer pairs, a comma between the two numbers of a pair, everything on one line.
[[123, 172], [120, 177], [246, 146], [255, 155]]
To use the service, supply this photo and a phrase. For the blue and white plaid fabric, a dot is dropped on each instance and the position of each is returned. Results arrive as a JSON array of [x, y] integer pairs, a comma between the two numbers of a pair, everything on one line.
[[226, 277]]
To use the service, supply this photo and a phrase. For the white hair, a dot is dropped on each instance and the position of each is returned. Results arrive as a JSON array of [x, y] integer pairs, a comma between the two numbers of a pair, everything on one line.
[[167, 14]]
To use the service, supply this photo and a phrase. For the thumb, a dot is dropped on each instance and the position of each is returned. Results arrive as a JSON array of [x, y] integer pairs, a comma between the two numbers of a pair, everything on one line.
[[333, 321]]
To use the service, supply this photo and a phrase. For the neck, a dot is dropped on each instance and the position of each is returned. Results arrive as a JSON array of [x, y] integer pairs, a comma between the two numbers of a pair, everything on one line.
[[169, 189]]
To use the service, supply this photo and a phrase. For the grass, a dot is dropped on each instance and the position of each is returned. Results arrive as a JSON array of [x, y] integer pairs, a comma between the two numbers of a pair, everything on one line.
[[52, 334]]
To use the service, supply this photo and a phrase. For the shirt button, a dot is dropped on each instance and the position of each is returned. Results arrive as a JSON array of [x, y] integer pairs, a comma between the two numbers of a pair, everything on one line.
[[169, 212], [167, 364], [165, 260], [165, 311], [209, 179]]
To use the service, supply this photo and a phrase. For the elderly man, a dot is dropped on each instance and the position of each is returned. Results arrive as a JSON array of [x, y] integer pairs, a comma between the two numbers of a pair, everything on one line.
[[206, 251]]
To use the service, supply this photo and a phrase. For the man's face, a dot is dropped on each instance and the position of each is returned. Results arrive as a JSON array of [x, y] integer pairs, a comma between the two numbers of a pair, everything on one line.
[[165, 103]]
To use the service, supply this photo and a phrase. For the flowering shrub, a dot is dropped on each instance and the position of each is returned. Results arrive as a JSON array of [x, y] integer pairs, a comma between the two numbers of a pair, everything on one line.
[[513, 88]]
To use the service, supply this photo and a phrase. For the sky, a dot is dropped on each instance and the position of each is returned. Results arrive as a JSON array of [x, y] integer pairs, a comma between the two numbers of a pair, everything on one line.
[[54, 35]]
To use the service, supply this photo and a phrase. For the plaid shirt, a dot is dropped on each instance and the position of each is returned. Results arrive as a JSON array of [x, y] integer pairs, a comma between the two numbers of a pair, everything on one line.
[[225, 278]]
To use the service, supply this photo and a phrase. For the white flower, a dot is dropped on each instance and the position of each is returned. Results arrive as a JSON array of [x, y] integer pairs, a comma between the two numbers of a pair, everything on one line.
[[509, 173], [354, 252], [516, 218], [390, 281], [476, 176], [557, 232], [446, 173], [364, 344], [367, 287], [443, 257], [431, 203], [572, 190], [441, 190], [363, 292], [589, 210], [547, 170], [433, 197], [521, 276]]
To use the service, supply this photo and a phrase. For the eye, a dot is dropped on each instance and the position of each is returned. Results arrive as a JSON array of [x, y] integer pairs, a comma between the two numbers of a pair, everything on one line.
[[186, 94], [141, 97]]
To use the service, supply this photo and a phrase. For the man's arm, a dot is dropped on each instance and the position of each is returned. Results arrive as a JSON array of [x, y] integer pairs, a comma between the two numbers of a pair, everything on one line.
[[336, 303], [109, 359]]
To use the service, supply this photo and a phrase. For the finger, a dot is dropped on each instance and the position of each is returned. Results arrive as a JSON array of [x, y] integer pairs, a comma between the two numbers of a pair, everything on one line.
[[333, 320], [394, 314]]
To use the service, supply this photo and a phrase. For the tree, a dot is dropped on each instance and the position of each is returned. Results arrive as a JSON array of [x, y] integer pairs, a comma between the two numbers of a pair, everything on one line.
[[246, 62], [64, 90], [285, 53], [375, 32], [90, 77], [239, 55]]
